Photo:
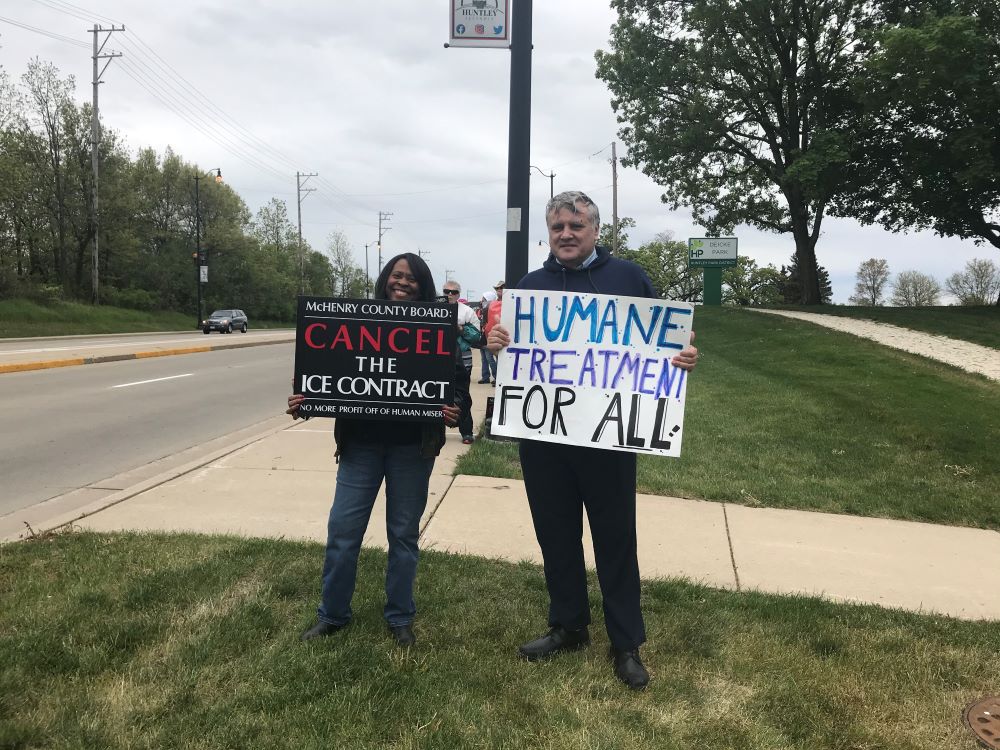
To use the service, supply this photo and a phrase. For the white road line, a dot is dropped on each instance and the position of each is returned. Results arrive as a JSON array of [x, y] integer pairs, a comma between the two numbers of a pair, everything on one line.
[[154, 380]]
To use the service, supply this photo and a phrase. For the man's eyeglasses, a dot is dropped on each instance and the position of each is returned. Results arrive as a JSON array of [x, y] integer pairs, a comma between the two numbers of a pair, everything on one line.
[[450, 291]]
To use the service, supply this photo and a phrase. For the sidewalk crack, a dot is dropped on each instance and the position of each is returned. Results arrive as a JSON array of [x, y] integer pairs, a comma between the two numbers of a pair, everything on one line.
[[434, 511], [732, 555]]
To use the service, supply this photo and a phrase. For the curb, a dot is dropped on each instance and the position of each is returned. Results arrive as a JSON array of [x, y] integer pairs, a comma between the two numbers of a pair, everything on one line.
[[66, 519], [50, 364]]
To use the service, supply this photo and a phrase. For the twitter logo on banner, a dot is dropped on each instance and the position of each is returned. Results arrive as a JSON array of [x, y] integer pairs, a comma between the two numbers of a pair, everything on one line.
[[497, 29]]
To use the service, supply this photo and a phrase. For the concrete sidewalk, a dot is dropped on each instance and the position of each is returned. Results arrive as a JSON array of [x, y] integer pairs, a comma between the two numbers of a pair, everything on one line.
[[278, 480], [281, 483]]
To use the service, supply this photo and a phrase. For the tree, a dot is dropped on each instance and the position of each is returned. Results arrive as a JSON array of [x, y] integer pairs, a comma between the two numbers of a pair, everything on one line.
[[790, 287], [666, 263], [739, 109], [869, 289], [607, 235], [928, 142], [915, 289], [347, 278], [748, 284], [978, 284]]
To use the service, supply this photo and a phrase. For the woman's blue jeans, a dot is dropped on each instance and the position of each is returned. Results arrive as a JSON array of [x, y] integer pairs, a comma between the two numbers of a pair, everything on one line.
[[362, 468]]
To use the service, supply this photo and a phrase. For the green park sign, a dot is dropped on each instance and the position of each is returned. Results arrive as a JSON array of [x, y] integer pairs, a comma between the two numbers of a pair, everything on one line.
[[711, 252]]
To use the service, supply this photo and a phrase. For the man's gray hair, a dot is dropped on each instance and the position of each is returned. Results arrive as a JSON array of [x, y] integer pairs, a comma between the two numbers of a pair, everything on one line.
[[452, 281], [572, 200]]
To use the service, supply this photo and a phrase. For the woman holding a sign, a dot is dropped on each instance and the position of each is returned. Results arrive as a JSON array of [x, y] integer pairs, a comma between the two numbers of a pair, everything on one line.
[[400, 452]]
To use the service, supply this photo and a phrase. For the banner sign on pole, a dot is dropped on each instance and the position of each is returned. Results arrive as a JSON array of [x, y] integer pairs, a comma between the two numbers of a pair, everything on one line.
[[479, 23], [593, 370], [203, 274], [375, 359]]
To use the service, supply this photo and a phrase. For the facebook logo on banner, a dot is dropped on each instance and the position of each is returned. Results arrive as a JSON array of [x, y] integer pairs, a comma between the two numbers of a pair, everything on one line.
[[460, 29]]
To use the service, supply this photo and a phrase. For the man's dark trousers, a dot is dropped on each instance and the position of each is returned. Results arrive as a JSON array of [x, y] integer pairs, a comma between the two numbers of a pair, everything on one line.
[[560, 481]]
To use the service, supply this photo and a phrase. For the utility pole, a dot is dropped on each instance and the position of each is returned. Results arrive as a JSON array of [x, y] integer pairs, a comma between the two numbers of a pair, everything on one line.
[[95, 145], [382, 216], [299, 182], [552, 177], [519, 145], [422, 253], [447, 273], [614, 202]]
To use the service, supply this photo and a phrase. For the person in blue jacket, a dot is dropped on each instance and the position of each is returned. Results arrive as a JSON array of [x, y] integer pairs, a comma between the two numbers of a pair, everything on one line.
[[561, 480]]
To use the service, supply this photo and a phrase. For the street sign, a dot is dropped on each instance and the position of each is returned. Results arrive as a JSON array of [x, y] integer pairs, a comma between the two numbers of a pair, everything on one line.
[[204, 274], [479, 23], [711, 252]]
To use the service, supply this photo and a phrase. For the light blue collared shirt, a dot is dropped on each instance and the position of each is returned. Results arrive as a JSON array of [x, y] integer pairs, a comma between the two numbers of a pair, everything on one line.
[[586, 262]]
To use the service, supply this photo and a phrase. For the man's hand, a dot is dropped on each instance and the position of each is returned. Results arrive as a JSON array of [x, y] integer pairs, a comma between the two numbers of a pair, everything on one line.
[[497, 339], [687, 358]]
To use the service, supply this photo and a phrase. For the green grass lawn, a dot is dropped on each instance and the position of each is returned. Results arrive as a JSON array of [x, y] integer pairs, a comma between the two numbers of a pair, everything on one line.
[[23, 318], [979, 325], [145, 641], [785, 414]]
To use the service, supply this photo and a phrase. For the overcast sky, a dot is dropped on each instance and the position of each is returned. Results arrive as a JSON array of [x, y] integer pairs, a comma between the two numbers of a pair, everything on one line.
[[366, 95]]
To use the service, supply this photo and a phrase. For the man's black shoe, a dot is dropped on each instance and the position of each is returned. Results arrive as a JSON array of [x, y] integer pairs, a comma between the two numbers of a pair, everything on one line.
[[557, 640], [484, 381], [403, 635], [320, 630], [630, 669]]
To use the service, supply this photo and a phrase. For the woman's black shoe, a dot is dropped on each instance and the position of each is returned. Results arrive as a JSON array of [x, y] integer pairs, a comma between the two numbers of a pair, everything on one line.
[[403, 635], [558, 639], [320, 630]]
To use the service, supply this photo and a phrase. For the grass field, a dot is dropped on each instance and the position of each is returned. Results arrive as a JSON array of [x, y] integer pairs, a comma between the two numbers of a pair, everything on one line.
[[978, 325], [784, 414], [23, 318], [124, 641]]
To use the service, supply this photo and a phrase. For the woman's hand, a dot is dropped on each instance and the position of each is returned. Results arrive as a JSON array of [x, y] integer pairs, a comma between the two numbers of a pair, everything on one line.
[[687, 358], [294, 401], [497, 339], [451, 414]]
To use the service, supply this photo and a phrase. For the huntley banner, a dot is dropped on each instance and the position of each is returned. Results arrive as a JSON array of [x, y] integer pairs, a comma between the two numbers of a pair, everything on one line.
[[374, 359], [479, 23], [593, 370]]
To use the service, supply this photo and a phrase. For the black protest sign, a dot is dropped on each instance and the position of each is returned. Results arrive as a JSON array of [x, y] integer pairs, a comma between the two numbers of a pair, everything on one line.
[[375, 359]]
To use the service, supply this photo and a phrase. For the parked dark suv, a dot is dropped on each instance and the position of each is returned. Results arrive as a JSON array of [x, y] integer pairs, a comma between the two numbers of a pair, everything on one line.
[[225, 321]]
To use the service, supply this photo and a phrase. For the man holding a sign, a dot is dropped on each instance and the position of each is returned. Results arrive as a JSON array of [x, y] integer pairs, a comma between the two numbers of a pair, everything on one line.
[[595, 373]]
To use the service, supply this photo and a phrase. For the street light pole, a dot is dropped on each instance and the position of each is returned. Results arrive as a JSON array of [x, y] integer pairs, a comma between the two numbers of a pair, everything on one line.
[[198, 259], [551, 175]]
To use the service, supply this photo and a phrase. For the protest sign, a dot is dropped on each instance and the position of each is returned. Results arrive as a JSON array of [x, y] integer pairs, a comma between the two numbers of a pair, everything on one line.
[[375, 359], [593, 370]]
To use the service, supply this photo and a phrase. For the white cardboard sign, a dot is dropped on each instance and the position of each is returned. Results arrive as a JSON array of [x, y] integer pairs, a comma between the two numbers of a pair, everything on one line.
[[593, 370]]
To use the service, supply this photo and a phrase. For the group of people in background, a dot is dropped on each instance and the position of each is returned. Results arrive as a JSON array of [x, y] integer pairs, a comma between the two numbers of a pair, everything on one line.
[[561, 480]]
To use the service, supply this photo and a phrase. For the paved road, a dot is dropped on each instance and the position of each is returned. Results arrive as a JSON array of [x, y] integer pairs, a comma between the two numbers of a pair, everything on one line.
[[16, 351], [69, 428]]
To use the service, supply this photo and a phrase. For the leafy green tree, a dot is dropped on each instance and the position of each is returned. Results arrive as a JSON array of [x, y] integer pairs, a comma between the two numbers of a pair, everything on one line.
[[929, 137], [790, 288], [739, 109], [607, 235], [915, 289], [871, 279], [746, 283], [666, 263]]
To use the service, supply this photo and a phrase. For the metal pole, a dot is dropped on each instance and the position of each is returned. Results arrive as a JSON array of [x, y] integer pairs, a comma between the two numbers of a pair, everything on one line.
[[519, 144], [197, 241]]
